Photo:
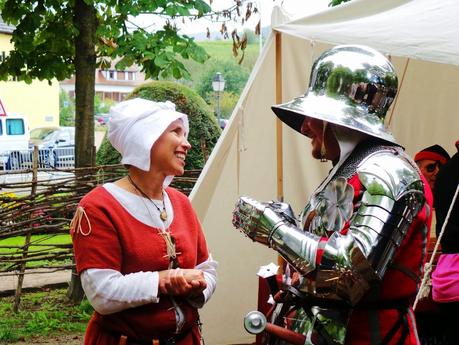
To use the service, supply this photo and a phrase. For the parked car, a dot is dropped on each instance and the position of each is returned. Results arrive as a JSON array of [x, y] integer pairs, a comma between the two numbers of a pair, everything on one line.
[[14, 138], [56, 145], [48, 137]]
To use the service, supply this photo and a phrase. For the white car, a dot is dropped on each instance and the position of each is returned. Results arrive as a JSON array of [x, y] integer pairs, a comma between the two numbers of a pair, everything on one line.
[[14, 141], [56, 145]]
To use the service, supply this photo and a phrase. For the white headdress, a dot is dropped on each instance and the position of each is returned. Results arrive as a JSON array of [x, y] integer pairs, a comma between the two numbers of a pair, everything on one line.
[[136, 124]]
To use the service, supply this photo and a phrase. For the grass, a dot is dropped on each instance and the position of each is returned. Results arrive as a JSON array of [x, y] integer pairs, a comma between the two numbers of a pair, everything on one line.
[[42, 314], [41, 239], [222, 50]]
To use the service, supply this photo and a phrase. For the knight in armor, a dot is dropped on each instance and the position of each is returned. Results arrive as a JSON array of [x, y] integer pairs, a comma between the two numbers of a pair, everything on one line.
[[359, 245]]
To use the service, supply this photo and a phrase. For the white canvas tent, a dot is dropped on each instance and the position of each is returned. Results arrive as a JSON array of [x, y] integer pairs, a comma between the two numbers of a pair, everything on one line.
[[258, 156]]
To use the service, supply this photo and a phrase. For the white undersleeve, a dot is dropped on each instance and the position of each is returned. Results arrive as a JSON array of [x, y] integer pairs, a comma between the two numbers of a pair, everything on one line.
[[109, 291]]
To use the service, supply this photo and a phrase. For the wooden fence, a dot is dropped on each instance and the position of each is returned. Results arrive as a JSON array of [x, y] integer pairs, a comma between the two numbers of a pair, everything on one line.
[[42, 202]]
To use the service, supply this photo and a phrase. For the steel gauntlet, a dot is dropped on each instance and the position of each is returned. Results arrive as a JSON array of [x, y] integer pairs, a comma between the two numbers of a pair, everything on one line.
[[274, 225]]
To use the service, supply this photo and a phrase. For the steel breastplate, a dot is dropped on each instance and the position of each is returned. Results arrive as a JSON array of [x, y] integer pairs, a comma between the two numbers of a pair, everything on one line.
[[330, 208]]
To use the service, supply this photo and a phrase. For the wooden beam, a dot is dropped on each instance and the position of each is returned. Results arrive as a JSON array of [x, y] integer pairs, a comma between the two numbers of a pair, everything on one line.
[[279, 145]]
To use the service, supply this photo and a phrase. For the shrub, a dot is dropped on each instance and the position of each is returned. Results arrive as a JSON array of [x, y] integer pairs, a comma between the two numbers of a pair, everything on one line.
[[204, 131]]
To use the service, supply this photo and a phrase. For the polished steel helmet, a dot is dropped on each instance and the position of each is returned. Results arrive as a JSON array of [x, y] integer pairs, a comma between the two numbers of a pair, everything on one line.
[[351, 86]]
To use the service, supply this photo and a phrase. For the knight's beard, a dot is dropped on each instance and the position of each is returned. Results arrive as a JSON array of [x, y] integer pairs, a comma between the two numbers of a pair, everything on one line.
[[323, 149]]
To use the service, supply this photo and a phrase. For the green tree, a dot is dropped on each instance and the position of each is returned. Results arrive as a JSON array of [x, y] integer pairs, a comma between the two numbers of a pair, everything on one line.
[[228, 101], [235, 78], [56, 39], [66, 109]]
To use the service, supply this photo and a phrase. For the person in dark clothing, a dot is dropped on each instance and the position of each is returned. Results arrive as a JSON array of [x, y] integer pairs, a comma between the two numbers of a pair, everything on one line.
[[445, 278]]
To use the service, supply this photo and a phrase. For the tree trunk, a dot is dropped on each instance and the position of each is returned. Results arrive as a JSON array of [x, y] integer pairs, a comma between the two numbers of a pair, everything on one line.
[[85, 70]]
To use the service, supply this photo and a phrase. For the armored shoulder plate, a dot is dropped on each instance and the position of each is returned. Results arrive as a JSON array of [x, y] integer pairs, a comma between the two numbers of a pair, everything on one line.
[[393, 196], [391, 173]]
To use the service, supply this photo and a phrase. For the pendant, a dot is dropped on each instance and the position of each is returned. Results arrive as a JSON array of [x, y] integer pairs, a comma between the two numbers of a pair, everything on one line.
[[163, 215]]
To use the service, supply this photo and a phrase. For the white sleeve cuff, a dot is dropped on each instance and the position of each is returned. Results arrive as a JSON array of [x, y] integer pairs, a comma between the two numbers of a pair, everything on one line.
[[109, 291], [209, 268]]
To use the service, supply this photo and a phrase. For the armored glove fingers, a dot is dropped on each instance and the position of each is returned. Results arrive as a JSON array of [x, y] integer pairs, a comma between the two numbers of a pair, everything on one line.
[[247, 218], [258, 220], [274, 225]]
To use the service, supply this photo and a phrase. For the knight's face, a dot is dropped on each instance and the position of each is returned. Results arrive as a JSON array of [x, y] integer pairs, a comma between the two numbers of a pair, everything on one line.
[[313, 129]]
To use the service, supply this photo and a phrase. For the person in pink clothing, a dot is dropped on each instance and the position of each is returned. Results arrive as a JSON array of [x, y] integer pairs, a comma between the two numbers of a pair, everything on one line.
[[445, 278], [139, 247]]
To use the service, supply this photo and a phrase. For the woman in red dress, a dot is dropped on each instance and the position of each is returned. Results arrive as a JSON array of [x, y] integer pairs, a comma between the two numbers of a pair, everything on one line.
[[139, 247]]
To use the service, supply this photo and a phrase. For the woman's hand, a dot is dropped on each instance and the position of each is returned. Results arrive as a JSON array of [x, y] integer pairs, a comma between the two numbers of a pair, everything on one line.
[[182, 282]]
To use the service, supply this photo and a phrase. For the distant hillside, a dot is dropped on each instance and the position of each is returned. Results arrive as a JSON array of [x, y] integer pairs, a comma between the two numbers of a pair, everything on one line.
[[220, 52], [216, 35]]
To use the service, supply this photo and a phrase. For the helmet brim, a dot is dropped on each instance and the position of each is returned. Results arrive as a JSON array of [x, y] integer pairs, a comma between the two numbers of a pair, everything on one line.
[[338, 111]]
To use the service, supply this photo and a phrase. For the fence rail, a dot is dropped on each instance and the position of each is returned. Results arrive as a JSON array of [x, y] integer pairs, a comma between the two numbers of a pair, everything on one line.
[[58, 157]]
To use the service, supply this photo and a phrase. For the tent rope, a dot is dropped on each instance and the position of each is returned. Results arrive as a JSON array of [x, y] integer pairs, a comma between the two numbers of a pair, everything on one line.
[[424, 289], [389, 121]]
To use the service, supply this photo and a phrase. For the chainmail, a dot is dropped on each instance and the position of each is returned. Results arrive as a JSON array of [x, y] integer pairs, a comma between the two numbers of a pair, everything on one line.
[[362, 151]]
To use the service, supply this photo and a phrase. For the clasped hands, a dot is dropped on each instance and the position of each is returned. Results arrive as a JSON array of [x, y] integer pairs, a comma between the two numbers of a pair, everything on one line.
[[182, 282]]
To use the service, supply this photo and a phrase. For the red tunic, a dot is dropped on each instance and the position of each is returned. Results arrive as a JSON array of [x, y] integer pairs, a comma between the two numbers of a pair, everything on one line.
[[120, 242], [400, 282]]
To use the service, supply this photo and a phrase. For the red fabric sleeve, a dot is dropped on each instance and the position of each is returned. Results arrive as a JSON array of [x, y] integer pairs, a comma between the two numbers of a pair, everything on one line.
[[320, 249], [101, 247]]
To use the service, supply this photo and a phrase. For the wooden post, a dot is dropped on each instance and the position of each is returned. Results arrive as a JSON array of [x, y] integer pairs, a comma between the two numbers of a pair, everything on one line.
[[279, 137], [279, 144], [93, 154], [22, 267]]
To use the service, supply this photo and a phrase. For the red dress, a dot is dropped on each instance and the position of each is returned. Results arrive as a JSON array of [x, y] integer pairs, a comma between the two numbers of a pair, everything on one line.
[[118, 241]]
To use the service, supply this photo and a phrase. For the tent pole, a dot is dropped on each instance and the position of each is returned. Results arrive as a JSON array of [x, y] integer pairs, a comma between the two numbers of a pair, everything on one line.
[[398, 93], [279, 148], [279, 145]]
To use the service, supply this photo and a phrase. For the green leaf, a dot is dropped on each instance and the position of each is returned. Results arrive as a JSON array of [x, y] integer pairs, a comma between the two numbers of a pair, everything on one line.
[[161, 60], [176, 72]]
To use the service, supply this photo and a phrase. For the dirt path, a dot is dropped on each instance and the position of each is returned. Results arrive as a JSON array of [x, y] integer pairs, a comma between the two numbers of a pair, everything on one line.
[[34, 279]]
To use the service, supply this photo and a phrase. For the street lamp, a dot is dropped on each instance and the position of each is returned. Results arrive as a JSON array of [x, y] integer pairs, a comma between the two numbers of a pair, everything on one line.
[[218, 84]]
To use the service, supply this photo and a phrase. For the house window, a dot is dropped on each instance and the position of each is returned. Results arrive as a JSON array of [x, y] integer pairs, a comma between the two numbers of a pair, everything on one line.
[[110, 74], [131, 76], [121, 75]]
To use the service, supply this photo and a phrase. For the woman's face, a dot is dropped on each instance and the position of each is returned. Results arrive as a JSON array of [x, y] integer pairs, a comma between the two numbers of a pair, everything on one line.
[[169, 151], [313, 129]]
